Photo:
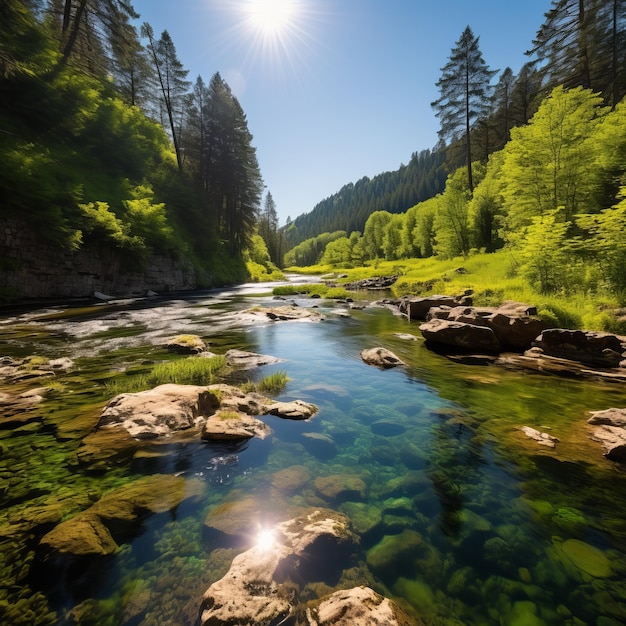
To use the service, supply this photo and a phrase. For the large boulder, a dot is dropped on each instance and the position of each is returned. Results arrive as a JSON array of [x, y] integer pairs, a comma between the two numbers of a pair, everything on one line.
[[360, 606], [261, 587], [460, 335], [418, 308], [592, 348], [160, 411], [381, 357], [515, 324], [609, 428]]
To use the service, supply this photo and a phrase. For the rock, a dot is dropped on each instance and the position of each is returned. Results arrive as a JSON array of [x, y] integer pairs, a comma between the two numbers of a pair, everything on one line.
[[514, 323], [592, 348], [460, 335], [186, 344], [610, 430], [248, 360], [227, 425], [235, 399], [118, 514], [372, 284], [285, 313], [341, 487], [262, 583], [235, 523], [291, 479], [406, 336], [360, 606], [418, 308], [160, 411], [543, 439], [381, 357], [319, 445], [293, 410]]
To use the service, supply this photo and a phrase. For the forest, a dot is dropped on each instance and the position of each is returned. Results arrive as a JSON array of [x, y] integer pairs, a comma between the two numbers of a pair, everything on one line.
[[536, 163], [106, 142]]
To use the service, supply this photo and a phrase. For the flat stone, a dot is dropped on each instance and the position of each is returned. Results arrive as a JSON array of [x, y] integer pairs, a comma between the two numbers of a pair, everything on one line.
[[543, 439]]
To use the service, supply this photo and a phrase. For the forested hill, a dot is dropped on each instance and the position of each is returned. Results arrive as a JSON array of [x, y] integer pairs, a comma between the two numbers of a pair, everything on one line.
[[395, 192]]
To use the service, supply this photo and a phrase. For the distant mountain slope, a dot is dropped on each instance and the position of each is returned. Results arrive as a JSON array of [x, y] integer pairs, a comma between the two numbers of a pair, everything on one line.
[[397, 191]]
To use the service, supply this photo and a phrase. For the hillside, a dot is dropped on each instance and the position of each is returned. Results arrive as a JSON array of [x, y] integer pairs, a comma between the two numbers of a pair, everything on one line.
[[396, 191]]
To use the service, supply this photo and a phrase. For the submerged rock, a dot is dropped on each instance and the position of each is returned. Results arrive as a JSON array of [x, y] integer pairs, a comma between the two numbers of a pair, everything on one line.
[[381, 357], [92, 532], [360, 606], [261, 587], [248, 360]]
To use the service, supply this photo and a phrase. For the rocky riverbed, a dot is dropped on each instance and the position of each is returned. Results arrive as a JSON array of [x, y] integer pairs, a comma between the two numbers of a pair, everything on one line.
[[385, 482]]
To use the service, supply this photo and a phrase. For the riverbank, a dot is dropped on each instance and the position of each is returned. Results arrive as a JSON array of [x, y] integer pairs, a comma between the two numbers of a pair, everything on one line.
[[493, 280]]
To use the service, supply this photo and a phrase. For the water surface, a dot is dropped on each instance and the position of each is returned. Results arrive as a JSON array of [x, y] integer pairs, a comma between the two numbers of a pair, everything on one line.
[[462, 519]]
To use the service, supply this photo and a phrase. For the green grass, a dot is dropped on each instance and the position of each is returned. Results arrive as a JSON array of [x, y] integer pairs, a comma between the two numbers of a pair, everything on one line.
[[493, 278], [324, 291], [188, 371], [274, 383]]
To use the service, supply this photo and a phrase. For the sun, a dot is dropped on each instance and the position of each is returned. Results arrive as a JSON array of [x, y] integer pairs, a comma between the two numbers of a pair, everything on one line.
[[271, 17]]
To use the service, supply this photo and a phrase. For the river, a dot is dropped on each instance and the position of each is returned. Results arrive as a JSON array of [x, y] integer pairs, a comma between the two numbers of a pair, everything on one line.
[[462, 519]]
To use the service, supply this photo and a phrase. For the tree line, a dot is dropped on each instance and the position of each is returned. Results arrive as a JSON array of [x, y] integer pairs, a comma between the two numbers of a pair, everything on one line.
[[107, 141], [395, 191], [552, 187]]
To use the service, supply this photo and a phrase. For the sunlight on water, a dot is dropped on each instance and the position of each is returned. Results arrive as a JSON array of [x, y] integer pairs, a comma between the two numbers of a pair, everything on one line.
[[461, 518]]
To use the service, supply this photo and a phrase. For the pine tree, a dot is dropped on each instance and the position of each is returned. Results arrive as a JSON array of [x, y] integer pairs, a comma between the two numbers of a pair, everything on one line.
[[464, 88], [234, 183], [172, 83]]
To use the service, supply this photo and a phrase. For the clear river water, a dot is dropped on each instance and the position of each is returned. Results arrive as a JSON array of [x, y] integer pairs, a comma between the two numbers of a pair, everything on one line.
[[462, 519]]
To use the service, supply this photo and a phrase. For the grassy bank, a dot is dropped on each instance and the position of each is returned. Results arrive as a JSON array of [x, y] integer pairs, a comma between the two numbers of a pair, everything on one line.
[[493, 279]]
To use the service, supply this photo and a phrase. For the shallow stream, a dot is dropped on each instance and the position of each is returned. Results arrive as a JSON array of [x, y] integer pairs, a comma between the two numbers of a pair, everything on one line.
[[462, 518]]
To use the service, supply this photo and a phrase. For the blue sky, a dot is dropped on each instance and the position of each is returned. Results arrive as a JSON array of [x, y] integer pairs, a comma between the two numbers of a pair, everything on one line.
[[339, 89]]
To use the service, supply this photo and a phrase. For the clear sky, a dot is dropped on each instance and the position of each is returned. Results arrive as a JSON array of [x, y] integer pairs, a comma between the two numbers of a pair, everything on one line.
[[335, 90]]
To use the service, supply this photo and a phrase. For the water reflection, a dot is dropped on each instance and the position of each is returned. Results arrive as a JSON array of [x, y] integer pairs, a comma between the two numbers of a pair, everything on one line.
[[459, 516]]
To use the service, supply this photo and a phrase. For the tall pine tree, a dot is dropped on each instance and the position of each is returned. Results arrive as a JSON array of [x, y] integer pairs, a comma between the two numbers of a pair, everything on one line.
[[464, 93]]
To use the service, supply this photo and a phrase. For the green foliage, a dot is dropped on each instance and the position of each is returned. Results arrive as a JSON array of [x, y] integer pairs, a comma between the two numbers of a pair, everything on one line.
[[310, 252], [547, 163]]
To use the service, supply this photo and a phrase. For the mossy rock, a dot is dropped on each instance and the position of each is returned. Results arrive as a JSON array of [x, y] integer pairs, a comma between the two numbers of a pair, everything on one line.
[[341, 487], [396, 554], [587, 558], [569, 520], [117, 514], [364, 517], [291, 479]]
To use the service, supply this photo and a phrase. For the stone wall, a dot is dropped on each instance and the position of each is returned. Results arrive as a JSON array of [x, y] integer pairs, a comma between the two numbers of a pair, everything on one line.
[[31, 269]]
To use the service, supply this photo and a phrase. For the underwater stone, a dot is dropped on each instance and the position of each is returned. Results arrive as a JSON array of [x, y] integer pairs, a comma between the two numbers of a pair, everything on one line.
[[341, 487], [364, 517], [587, 558], [291, 479], [90, 532], [396, 554]]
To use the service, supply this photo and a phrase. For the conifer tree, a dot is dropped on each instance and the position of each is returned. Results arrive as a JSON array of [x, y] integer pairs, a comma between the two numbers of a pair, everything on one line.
[[172, 83], [464, 88]]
